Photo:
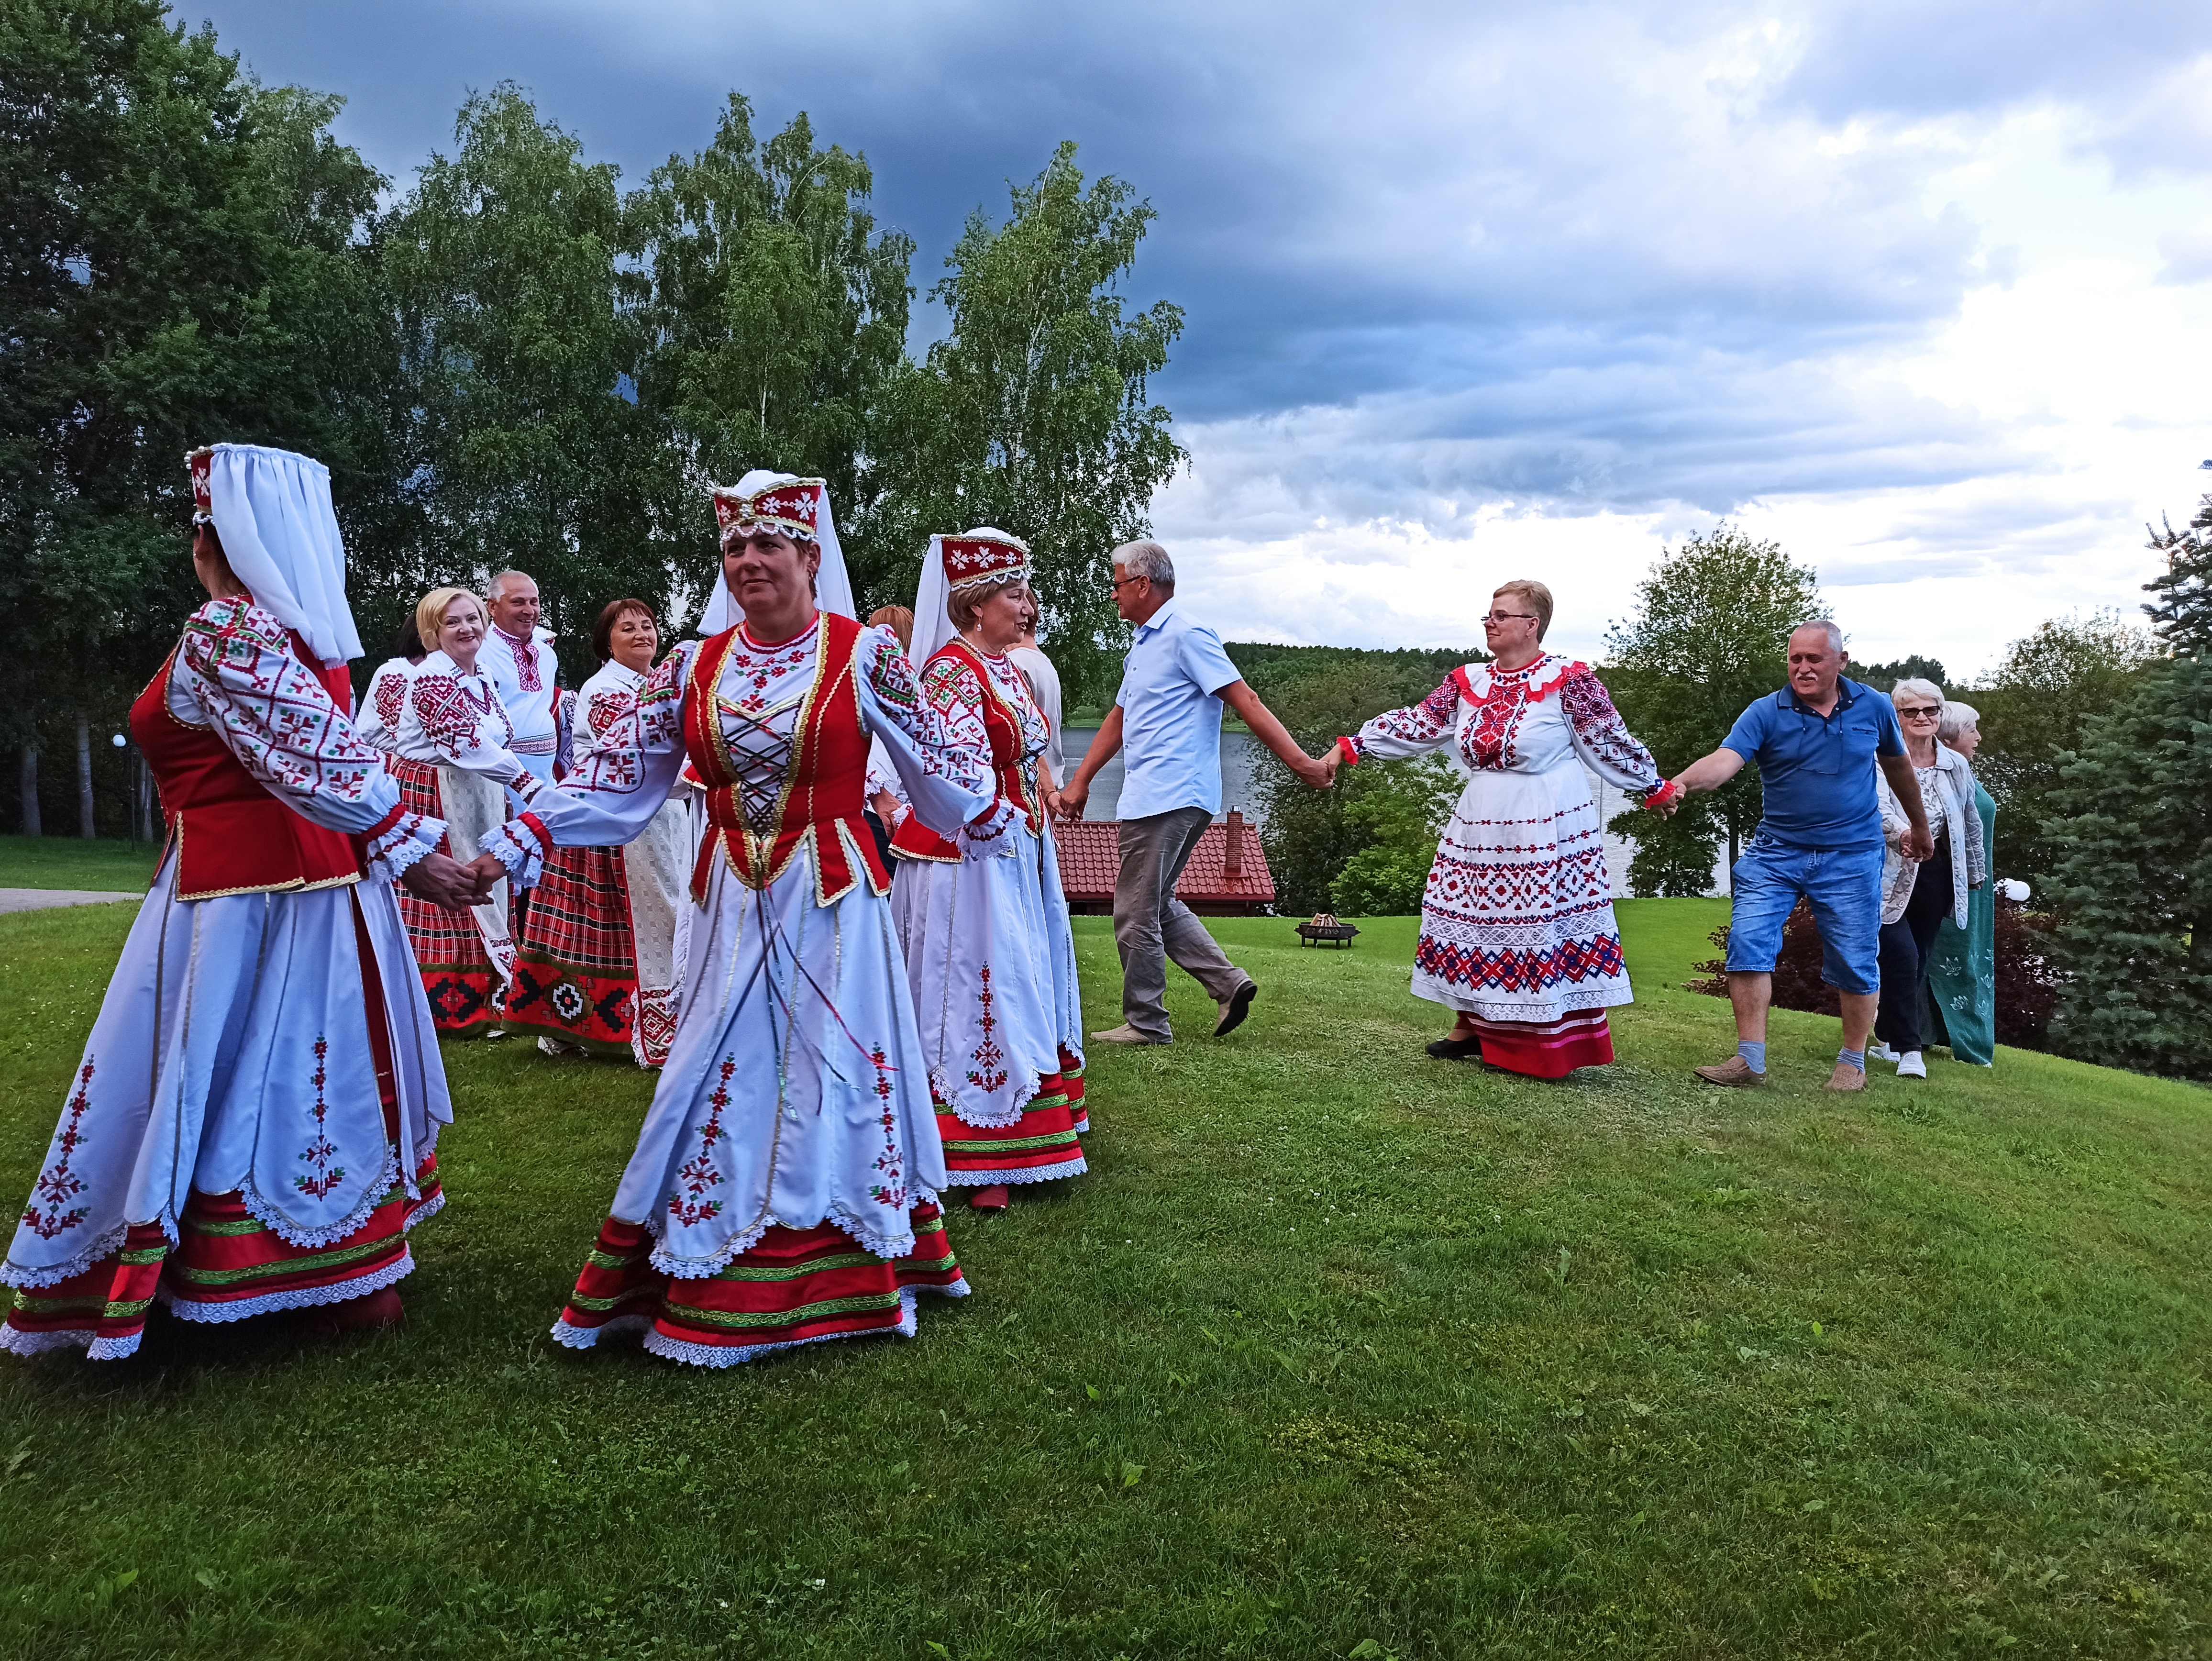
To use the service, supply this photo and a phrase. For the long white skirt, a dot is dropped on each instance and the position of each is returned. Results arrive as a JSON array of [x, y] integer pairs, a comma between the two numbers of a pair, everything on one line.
[[232, 1052], [979, 958], [796, 1091], [1517, 920]]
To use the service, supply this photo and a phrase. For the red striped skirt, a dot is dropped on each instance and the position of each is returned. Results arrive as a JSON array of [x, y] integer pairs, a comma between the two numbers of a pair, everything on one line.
[[1547, 1050], [457, 970], [575, 967], [796, 1286]]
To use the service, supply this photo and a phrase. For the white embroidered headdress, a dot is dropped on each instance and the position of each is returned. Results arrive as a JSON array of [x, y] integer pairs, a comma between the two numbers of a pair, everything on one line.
[[280, 531], [790, 506]]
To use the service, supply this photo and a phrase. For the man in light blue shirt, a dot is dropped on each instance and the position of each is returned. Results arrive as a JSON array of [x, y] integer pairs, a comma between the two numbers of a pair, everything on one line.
[[1166, 722]]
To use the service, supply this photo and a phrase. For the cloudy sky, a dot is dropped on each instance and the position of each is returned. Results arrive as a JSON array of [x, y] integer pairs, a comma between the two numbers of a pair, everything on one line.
[[1922, 291]]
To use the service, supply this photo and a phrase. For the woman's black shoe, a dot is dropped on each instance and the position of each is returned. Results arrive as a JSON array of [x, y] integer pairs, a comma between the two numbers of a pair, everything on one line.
[[1456, 1049]]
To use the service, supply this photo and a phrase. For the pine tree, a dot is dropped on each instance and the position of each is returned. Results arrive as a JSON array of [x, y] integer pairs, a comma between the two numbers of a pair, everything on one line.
[[2134, 881]]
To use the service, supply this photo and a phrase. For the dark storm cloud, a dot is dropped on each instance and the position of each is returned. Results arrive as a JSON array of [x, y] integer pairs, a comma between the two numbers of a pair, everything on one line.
[[1598, 256]]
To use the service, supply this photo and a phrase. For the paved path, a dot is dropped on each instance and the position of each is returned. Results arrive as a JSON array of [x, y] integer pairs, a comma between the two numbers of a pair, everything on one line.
[[39, 900]]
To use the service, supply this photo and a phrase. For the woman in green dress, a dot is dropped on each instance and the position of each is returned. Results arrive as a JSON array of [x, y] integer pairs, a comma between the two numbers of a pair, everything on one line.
[[1962, 967]]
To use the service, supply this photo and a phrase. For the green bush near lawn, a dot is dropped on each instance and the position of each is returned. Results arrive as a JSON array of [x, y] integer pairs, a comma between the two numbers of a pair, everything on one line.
[[1338, 1351]]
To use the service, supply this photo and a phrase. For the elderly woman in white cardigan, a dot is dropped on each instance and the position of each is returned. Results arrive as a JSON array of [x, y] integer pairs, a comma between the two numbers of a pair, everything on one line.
[[1915, 897]]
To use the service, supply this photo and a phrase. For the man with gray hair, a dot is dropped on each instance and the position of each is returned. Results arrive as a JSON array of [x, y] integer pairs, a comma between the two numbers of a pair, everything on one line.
[[518, 657], [1166, 722], [1818, 743]]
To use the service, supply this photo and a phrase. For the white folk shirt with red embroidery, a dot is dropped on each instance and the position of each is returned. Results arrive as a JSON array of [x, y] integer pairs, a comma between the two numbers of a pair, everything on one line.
[[952, 689], [613, 795], [236, 673], [527, 673], [453, 717]]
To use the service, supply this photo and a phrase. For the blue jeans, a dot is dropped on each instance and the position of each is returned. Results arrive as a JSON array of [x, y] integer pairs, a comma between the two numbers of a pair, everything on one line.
[[1844, 886]]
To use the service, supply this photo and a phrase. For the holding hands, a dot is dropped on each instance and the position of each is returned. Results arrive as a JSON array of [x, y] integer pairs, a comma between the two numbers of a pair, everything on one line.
[[447, 882]]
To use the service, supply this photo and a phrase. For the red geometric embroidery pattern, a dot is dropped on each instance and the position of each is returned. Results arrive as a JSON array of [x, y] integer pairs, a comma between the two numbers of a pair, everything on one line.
[[323, 1177], [989, 1073], [1567, 964], [57, 1184], [282, 725], [698, 1174], [891, 1191]]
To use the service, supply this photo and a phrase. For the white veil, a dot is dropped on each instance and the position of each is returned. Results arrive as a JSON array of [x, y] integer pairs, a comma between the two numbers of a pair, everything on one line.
[[272, 510]]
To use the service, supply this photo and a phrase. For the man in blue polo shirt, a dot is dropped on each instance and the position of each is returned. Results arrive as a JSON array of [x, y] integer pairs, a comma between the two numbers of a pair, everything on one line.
[[1166, 722], [1817, 744]]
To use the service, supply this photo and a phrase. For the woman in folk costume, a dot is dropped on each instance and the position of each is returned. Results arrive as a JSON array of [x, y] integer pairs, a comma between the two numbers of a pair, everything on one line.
[[784, 1190], [254, 1124], [596, 967], [449, 755], [984, 920], [1517, 930]]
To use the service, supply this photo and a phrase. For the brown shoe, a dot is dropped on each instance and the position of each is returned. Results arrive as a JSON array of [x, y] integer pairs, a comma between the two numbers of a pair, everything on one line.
[[1846, 1077], [1735, 1073]]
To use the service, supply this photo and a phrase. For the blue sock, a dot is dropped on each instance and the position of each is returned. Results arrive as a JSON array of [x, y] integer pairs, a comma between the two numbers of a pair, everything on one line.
[[1753, 1054], [1852, 1058]]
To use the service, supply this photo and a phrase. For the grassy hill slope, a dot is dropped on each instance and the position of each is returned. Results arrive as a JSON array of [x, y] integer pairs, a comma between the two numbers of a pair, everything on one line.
[[1339, 1351]]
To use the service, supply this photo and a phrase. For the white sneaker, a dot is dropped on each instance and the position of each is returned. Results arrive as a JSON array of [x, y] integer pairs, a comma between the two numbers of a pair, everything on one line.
[[1910, 1065], [1882, 1052]]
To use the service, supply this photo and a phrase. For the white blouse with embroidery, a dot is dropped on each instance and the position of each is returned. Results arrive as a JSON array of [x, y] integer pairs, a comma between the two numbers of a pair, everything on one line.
[[236, 673], [453, 717], [629, 774]]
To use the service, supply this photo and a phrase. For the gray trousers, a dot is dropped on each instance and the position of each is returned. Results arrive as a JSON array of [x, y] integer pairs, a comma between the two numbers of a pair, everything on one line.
[[1150, 925]]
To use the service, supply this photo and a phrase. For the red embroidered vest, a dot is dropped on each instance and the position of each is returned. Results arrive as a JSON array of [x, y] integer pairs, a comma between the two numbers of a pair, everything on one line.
[[232, 837], [823, 793], [915, 841]]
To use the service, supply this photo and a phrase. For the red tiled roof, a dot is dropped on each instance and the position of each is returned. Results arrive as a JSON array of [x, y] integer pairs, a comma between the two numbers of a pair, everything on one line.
[[1091, 861]]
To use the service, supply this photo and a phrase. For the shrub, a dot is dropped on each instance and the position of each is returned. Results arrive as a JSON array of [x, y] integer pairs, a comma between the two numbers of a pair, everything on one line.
[[2028, 984]]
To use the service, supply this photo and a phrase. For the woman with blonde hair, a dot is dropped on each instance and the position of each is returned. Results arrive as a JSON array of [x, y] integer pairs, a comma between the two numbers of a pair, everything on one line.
[[449, 753], [1517, 930]]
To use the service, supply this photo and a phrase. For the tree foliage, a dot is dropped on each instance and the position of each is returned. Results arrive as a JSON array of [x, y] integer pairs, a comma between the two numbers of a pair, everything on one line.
[[2182, 611], [2131, 830], [1365, 848], [1709, 637], [777, 319], [177, 265], [517, 362], [2035, 710], [1033, 413], [513, 269]]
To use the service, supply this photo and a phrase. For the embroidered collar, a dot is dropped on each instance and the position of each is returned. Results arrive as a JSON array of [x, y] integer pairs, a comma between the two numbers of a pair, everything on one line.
[[745, 637]]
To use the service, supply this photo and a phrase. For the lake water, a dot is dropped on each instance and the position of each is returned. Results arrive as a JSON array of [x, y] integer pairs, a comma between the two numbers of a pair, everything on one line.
[[1242, 753]]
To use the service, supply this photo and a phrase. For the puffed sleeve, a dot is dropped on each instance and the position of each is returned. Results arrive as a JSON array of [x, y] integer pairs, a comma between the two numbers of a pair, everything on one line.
[[461, 735], [1396, 734], [1602, 738], [277, 718], [615, 789], [949, 781]]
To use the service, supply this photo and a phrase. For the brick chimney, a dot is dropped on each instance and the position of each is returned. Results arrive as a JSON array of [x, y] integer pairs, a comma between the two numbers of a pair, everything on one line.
[[1232, 852]]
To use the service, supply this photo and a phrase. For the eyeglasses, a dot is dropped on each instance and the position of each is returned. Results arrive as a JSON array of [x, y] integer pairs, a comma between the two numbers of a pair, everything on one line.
[[1921, 712], [1501, 616], [1119, 582]]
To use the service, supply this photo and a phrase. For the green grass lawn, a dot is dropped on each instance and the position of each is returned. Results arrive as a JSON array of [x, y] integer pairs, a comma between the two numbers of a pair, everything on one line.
[[1338, 1351], [72, 862]]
